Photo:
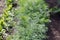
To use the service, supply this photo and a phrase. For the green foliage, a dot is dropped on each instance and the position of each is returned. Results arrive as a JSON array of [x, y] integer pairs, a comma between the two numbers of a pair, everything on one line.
[[6, 21], [56, 8], [32, 16]]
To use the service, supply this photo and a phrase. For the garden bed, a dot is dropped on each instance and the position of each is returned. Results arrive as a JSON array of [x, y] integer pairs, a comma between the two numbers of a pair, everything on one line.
[[32, 20]]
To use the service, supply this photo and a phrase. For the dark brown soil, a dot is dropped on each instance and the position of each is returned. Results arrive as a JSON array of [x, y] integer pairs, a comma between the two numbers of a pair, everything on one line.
[[54, 27], [52, 3]]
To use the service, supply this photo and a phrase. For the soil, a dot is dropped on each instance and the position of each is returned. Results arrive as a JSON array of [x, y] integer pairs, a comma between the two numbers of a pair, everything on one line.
[[2, 6], [54, 27], [51, 3]]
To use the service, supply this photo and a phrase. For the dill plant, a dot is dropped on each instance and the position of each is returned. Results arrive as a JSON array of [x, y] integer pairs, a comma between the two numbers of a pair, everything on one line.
[[32, 15]]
